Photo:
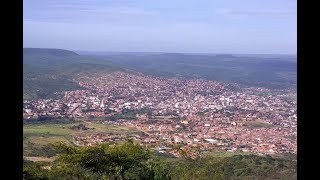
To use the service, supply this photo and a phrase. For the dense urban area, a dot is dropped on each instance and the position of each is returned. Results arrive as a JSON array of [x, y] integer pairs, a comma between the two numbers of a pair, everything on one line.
[[199, 115], [159, 90]]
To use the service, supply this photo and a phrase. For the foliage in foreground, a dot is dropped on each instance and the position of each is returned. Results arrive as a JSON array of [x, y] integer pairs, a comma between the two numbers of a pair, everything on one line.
[[234, 167], [131, 161], [119, 161]]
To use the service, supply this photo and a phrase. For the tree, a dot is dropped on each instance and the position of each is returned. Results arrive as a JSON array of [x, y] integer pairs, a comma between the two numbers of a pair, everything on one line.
[[32, 170], [119, 161]]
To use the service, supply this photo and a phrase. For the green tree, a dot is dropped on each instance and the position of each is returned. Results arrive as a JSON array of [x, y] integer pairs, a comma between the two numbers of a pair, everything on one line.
[[119, 161]]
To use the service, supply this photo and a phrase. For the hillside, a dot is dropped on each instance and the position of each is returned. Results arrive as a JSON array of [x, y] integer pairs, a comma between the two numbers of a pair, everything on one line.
[[47, 71], [45, 51], [82, 69], [56, 58], [43, 83], [270, 72]]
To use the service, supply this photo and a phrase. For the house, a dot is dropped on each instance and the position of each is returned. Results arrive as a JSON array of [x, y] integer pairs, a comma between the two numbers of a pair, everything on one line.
[[212, 141]]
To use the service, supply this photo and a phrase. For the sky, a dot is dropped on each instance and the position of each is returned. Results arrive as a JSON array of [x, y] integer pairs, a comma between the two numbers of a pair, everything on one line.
[[186, 26]]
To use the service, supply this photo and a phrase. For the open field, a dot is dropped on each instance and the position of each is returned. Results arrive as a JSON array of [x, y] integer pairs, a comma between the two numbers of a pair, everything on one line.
[[40, 159], [258, 124], [224, 154], [36, 137]]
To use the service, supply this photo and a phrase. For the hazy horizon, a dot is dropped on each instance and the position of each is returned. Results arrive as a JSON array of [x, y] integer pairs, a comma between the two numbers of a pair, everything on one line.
[[84, 52], [228, 27]]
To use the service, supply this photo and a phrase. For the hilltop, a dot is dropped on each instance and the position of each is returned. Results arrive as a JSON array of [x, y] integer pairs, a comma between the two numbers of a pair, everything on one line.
[[57, 58], [46, 71], [46, 51]]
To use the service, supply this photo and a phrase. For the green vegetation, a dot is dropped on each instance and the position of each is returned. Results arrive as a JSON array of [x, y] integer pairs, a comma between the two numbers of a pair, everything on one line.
[[79, 127], [40, 151], [128, 114], [86, 69], [121, 116], [49, 120], [47, 129], [127, 160], [257, 124], [234, 167], [131, 161], [40, 83], [277, 73], [121, 161], [47, 71], [125, 114], [53, 59], [36, 136]]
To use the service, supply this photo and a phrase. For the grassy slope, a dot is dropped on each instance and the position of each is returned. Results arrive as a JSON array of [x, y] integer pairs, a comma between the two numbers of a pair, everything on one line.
[[36, 136]]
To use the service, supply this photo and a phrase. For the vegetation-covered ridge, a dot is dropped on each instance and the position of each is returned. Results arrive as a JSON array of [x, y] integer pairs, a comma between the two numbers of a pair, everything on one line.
[[47, 71], [46, 51], [42, 83], [275, 73]]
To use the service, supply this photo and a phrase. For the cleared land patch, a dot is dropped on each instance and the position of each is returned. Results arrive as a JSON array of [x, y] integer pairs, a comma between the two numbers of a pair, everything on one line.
[[36, 137]]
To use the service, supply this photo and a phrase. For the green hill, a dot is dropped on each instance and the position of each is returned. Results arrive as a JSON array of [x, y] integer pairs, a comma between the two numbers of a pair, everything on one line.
[[57, 58], [81, 69], [46, 71], [275, 72], [50, 70], [45, 51], [43, 83]]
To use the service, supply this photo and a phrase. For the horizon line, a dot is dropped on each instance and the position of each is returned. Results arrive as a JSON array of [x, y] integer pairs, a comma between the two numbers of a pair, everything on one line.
[[162, 52]]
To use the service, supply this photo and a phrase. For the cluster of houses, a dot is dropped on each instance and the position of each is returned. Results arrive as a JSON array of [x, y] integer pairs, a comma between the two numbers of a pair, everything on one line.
[[197, 113]]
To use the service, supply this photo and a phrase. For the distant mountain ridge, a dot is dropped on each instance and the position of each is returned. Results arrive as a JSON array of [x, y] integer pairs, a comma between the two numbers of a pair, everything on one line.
[[54, 52], [251, 71], [47, 71], [57, 58], [58, 66]]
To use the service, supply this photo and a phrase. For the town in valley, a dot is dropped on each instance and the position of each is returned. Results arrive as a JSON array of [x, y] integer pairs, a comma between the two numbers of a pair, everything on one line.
[[196, 114]]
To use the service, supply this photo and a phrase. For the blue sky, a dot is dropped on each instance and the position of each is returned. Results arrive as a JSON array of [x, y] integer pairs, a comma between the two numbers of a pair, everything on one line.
[[190, 26]]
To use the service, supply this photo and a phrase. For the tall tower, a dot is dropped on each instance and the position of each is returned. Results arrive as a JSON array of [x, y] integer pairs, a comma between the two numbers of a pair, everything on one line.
[[102, 104], [66, 96]]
